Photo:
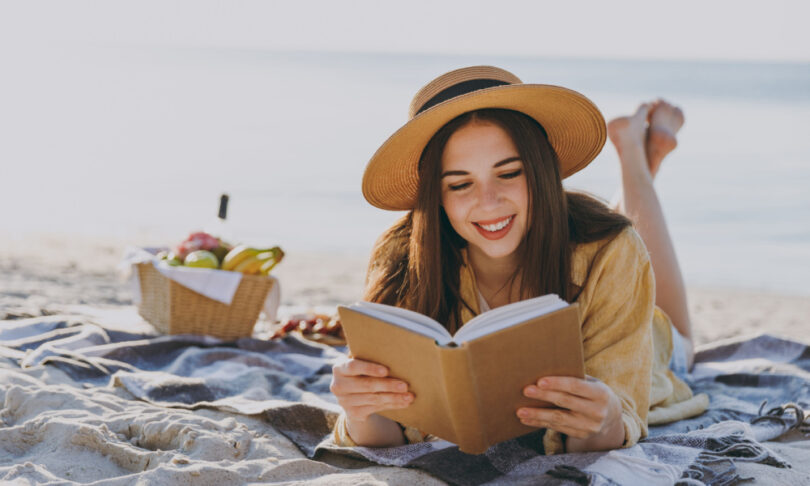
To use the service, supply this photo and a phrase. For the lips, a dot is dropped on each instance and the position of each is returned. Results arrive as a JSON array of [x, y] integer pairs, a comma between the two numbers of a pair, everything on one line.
[[495, 229]]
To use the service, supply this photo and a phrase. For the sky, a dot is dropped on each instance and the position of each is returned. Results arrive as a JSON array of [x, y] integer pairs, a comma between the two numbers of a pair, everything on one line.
[[637, 29], [80, 111]]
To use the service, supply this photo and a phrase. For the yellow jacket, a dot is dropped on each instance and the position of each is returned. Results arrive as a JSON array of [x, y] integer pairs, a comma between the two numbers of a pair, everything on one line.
[[626, 339]]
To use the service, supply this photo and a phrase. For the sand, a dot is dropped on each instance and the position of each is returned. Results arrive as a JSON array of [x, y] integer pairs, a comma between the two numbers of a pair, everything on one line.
[[138, 441], [59, 432]]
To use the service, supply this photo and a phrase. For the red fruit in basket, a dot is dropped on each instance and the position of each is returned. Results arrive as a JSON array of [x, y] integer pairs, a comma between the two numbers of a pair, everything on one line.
[[289, 326], [203, 240], [333, 326], [196, 241], [183, 249]]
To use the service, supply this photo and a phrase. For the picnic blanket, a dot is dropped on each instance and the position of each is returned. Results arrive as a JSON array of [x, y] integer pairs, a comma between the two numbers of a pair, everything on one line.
[[759, 388]]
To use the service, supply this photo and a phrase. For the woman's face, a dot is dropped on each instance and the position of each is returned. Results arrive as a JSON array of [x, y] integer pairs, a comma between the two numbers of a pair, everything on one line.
[[484, 190]]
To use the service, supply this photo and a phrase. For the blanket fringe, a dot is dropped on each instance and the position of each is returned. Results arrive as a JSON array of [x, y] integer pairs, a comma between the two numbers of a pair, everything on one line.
[[743, 450], [716, 465], [705, 472], [782, 416]]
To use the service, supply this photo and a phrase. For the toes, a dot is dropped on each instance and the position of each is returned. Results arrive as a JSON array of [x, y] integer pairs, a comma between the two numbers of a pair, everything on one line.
[[643, 111], [653, 105], [679, 115], [666, 116], [666, 106]]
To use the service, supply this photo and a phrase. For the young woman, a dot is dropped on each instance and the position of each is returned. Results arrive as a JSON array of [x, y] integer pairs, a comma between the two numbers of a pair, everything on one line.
[[479, 166]]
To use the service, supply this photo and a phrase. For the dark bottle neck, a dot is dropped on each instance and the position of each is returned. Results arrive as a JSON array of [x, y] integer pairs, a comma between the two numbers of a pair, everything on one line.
[[223, 207]]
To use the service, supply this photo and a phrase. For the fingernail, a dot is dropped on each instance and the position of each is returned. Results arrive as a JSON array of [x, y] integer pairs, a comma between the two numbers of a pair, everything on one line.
[[532, 389], [381, 371], [523, 413], [543, 382], [408, 397], [402, 386]]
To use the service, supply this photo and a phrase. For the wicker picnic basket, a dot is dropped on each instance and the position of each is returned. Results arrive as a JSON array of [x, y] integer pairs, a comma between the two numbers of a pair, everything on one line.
[[175, 309]]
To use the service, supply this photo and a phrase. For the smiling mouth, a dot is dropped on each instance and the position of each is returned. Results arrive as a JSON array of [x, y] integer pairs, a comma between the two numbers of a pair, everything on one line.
[[495, 225]]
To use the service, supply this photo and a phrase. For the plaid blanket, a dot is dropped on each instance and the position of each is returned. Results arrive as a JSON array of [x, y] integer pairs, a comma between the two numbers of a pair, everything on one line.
[[288, 381]]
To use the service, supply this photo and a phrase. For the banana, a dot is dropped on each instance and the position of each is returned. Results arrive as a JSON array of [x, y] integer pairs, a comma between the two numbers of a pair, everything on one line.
[[271, 262], [236, 256], [267, 266], [249, 260], [265, 255], [245, 262], [253, 265]]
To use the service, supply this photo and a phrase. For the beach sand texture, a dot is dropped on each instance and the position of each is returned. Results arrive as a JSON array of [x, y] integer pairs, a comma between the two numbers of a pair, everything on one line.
[[54, 430]]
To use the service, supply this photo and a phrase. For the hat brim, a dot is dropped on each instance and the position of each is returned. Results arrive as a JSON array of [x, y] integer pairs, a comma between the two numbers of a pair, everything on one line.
[[574, 125]]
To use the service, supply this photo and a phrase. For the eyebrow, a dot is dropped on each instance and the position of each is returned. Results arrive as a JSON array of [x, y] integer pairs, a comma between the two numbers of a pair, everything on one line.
[[464, 172]]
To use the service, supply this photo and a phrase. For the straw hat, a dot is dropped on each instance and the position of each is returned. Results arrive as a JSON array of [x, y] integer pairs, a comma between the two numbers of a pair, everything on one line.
[[575, 127]]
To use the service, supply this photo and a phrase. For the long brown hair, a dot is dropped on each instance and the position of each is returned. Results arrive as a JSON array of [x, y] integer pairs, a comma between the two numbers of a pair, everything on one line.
[[415, 264]]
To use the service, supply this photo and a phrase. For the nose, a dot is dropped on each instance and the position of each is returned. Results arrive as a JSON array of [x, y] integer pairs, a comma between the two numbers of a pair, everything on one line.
[[489, 196]]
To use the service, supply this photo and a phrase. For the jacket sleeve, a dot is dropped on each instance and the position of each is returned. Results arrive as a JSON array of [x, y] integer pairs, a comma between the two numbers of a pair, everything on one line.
[[617, 302], [341, 437], [340, 433]]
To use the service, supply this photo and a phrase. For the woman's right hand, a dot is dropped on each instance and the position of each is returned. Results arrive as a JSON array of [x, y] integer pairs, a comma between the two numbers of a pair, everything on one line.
[[363, 388]]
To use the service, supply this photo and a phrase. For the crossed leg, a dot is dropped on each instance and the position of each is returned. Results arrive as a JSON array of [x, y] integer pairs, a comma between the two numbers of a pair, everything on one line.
[[642, 140]]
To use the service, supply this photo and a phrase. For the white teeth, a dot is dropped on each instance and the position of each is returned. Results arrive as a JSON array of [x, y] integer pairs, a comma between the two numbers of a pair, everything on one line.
[[496, 226]]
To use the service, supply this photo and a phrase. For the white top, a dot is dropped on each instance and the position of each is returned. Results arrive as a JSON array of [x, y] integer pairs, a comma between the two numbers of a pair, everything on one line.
[[483, 306]]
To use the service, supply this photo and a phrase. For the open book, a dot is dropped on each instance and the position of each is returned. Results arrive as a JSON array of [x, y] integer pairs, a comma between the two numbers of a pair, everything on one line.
[[468, 387]]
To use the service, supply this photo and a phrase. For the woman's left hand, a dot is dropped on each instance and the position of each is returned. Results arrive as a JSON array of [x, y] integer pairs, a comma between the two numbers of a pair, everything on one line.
[[590, 414]]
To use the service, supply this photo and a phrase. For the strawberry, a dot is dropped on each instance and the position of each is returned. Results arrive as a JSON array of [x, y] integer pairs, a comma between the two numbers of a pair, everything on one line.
[[204, 240], [196, 241]]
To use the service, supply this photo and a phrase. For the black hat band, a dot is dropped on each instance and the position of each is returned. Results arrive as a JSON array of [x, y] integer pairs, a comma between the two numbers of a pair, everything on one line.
[[460, 89]]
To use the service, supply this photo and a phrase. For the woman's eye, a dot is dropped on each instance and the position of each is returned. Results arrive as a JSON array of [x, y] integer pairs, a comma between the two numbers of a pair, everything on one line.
[[458, 187], [512, 175]]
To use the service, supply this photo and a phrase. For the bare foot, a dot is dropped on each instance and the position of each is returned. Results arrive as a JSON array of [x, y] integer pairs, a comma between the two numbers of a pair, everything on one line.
[[665, 121], [629, 133]]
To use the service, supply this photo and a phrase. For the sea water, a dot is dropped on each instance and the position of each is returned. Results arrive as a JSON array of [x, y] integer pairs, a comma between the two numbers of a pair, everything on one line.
[[127, 141]]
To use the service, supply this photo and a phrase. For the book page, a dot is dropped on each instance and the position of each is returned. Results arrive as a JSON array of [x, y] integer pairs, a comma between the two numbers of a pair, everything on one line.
[[498, 313], [508, 315], [407, 319]]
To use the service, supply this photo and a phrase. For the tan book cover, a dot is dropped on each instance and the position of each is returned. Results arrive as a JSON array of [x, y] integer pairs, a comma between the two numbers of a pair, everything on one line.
[[469, 393]]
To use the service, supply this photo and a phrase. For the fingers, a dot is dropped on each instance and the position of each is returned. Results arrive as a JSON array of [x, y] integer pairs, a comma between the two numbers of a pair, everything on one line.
[[377, 401], [365, 402], [570, 423], [589, 388], [567, 401], [363, 388], [357, 367], [358, 376], [582, 405], [588, 406], [345, 385]]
